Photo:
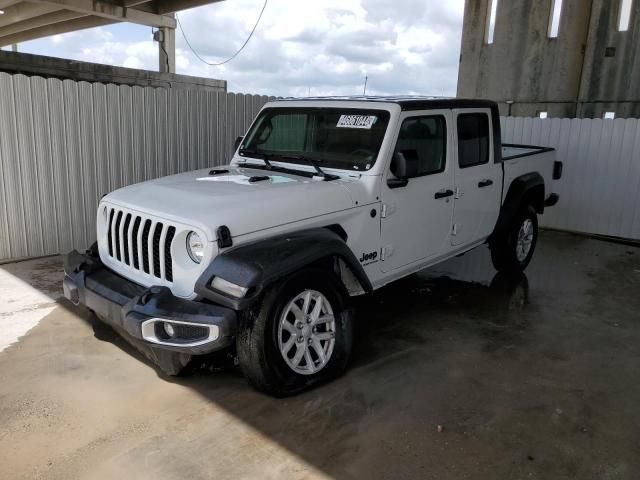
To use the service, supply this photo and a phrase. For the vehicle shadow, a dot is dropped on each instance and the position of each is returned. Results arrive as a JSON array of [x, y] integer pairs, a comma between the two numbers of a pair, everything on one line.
[[412, 312], [405, 314], [456, 372], [401, 356]]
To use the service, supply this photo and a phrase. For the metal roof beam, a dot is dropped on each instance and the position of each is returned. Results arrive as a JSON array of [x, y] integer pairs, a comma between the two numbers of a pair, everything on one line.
[[170, 6], [24, 11], [7, 3], [113, 12], [55, 29], [37, 22]]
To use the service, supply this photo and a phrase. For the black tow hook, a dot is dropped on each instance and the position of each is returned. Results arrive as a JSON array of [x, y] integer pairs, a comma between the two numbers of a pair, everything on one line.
[[146, 296]]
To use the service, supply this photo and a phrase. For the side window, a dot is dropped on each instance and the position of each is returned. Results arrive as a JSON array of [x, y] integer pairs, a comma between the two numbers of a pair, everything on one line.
[[426, 136], [473, 139]]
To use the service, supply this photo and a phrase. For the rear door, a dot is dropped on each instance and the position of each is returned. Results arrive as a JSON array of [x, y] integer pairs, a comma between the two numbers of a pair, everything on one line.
[[477, 178], [416, 221]]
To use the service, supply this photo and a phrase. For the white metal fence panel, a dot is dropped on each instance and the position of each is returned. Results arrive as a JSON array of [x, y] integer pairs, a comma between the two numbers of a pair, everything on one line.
[[600, 187], [64, 144]]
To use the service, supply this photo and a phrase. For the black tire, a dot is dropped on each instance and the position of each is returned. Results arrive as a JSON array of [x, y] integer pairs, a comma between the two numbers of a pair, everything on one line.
[[257, 341], [504, 248]]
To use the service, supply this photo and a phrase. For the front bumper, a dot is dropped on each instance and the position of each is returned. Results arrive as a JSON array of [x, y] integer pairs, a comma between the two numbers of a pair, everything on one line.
[[197, 327]]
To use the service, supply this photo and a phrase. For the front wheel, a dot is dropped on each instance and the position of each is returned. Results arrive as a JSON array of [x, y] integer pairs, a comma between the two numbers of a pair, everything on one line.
[[511, 252], [298, 335]]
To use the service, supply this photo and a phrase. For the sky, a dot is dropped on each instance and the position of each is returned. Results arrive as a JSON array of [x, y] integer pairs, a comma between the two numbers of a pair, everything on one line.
[[300, 48]]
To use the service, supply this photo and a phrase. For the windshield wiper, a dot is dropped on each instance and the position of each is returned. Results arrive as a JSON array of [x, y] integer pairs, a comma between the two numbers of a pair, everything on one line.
[[315, 164], [266, 156], [261, 155]]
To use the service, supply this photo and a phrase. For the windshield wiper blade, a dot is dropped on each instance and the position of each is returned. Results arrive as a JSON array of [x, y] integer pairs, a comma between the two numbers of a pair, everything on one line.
[[261, 155], [315, 164], [290, 171], [266, 156]]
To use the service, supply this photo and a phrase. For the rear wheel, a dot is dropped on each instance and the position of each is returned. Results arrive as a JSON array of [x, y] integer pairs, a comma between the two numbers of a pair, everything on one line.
[[512, 251], [300, 334]]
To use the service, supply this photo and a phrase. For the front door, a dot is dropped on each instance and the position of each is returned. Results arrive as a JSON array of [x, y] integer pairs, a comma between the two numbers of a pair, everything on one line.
[[416, 221], [478, 179]]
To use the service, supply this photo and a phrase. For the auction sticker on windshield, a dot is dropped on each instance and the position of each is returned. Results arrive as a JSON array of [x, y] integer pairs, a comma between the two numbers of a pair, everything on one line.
[[356, 121]]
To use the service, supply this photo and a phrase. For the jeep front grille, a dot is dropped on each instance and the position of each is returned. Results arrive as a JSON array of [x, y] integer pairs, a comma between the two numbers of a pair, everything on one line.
[[141, 243]]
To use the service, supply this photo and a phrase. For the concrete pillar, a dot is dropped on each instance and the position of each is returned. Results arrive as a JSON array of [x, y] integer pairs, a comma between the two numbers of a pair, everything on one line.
[[167, 50]]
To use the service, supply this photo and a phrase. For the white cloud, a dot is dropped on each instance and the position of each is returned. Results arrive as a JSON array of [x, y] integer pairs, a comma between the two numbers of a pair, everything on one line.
[[300, 46], [132, 62]]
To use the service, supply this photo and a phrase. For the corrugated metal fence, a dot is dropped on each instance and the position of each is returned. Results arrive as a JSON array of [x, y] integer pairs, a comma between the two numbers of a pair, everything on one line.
[[600, 188], [63, 144]]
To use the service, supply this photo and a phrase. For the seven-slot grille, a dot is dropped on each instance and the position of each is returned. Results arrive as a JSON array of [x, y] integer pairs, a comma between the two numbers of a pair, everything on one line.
[[141, 243]]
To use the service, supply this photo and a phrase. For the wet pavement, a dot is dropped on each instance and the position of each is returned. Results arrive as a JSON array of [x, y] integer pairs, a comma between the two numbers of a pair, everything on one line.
[[457, 373]]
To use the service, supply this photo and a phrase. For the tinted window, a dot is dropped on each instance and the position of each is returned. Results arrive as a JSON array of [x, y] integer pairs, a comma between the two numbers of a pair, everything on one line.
[[288, 133], [473, 139], [426, 136]]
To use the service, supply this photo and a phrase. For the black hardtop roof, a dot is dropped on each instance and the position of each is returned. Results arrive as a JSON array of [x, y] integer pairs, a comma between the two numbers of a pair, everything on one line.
[[407, 102]]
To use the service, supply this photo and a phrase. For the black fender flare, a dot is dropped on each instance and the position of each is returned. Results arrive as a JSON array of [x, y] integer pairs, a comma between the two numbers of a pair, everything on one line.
[[525, 188], [258, 264]]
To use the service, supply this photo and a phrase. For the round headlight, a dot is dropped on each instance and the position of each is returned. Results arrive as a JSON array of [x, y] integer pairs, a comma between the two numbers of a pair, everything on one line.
[[195, 247]]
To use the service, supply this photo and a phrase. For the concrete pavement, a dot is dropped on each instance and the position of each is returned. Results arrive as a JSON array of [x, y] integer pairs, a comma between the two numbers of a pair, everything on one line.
[[533, 377]]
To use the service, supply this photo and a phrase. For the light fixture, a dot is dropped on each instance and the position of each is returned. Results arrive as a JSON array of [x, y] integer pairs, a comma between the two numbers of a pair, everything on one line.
[[225, 286], [169, 330], [195, 247]]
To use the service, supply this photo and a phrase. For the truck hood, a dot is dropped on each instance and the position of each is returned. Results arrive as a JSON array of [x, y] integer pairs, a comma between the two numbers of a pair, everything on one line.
[[235, 198]]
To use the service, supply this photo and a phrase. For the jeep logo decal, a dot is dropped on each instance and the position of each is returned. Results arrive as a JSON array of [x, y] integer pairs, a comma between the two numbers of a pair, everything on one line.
[[368, 258]]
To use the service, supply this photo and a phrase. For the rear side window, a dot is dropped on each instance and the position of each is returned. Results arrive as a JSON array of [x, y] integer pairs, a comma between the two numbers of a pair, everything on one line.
[[426, 136], [473, 139]]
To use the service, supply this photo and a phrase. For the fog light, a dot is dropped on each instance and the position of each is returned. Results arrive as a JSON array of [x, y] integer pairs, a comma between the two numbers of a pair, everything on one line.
[[169, 330]]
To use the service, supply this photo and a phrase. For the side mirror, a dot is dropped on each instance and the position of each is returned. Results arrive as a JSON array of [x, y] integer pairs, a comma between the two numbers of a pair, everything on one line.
[[237, 142], [404, 166]]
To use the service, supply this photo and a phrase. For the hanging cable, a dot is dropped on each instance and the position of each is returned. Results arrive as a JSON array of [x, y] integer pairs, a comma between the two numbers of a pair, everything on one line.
[[232, 56], [161, 45]]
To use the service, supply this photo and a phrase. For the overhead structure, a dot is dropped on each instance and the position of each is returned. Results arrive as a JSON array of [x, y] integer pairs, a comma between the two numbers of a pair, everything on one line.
[[21, 21], [553, 58]]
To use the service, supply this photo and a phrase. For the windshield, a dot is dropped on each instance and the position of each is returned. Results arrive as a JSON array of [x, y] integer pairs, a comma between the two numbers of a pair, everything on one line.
[[333, 137]]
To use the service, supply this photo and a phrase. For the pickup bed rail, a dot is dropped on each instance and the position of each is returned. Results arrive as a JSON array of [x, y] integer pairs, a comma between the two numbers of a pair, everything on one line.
[[512, 150]]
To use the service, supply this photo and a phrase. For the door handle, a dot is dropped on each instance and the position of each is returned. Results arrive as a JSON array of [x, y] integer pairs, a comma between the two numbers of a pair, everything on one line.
[[443, 194], [485, 183]]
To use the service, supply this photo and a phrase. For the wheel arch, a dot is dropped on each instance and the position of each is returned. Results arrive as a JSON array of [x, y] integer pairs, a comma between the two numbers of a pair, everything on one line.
[[525, 189], [258, 264]]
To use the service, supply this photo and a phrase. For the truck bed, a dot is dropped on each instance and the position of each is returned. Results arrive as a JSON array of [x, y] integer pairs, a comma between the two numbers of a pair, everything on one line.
[[519, 160]]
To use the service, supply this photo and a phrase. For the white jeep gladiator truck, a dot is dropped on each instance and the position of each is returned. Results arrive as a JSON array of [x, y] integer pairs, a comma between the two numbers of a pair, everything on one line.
[[324, 199]]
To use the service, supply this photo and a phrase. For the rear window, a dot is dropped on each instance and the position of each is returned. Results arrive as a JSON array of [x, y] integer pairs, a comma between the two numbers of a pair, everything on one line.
[[473, 139]]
